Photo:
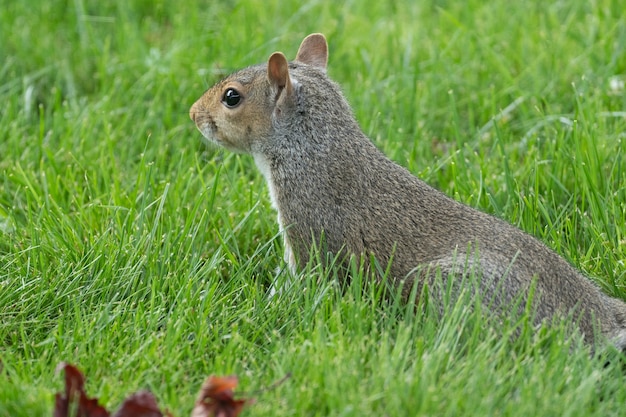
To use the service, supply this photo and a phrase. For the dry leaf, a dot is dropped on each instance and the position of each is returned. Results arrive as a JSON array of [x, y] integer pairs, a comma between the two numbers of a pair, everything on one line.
[[215, 398], [140, 404], [75, 398]]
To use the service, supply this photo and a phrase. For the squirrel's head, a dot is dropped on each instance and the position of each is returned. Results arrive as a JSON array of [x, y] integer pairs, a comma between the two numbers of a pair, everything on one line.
[[242, 108]]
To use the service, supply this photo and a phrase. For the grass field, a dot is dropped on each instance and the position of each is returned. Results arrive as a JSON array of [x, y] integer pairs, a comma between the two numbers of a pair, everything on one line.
[[133, 250]]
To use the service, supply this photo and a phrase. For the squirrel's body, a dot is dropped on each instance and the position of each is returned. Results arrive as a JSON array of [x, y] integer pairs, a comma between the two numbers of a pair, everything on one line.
[[330, 184]]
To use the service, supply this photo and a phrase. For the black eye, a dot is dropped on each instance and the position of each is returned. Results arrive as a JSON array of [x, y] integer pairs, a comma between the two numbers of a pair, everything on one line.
[[231, 98]]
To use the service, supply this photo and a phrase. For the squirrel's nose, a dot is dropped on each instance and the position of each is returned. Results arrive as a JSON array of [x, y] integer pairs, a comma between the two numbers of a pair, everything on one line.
[[193, 111]]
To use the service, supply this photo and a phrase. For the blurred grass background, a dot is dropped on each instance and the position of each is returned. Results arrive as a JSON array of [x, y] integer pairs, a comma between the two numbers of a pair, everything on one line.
[[129, 247]]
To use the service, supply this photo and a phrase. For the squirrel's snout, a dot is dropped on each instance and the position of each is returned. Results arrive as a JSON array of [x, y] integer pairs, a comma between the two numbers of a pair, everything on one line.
[[193, 111]]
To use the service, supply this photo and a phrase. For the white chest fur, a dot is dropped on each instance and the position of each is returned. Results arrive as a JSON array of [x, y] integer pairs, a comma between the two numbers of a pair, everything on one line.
[[263, 166]]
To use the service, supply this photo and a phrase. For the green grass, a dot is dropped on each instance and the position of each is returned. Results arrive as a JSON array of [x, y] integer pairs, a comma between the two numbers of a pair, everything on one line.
[[131, 249]]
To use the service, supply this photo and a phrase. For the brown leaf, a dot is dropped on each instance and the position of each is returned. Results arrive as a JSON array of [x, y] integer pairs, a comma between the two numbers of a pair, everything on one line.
[[75, 398], [215, 398], [140, 404]]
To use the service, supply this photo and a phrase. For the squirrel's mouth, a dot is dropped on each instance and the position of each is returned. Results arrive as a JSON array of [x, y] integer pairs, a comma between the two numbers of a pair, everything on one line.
[[206, 125], [209, 133]]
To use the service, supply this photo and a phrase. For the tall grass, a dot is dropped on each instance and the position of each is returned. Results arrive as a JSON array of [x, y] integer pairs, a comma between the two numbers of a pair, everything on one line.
[[129, 247]]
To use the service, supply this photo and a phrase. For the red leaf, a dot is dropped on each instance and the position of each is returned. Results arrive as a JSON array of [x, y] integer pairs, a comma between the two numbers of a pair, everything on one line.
[[140, 404], [75, 397], [215, 398]]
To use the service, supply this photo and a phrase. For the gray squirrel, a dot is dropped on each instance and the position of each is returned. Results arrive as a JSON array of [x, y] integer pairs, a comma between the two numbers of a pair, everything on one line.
[[328, 182]]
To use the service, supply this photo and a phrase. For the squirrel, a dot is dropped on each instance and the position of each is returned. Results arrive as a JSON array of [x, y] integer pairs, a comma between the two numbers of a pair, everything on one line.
[[329, 182]]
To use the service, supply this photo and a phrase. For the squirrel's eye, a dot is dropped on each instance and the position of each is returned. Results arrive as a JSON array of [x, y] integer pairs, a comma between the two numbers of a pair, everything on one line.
[[231, 98]]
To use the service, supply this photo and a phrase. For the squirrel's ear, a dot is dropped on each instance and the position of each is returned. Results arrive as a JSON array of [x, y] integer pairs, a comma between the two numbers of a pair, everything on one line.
[[278, 72], [314, 51]]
